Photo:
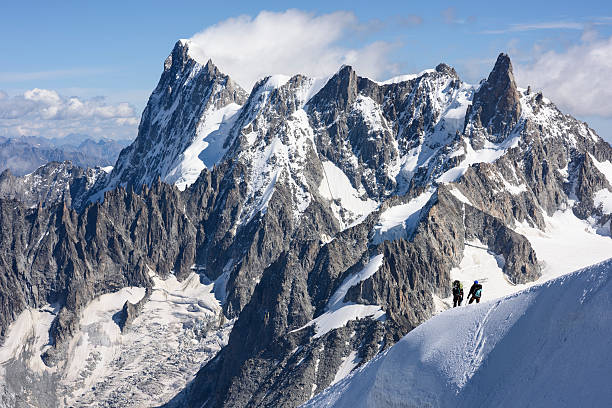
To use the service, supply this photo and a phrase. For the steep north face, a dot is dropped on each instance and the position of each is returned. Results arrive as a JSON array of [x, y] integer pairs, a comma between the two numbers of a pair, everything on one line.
[[329, 213]]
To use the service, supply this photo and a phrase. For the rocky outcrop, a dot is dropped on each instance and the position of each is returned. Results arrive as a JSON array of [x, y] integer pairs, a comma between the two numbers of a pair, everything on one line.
[[187, 94], [496, 105], [52, 183], [55, 255], [130, 311]]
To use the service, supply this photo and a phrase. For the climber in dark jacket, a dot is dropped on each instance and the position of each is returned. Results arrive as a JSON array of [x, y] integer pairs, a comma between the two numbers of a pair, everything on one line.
[[475, 292], [457, 293]]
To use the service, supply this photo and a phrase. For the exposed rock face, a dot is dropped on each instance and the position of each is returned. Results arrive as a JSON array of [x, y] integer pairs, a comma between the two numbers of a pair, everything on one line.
[[294, 182], [52, 183], [496, 106], [54, 255], [185, 104], [130, 311], [527, 177]]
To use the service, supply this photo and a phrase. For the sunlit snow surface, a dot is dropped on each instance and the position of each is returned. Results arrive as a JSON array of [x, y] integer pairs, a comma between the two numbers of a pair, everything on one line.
[[348, 206], [547, 346], [339, 312], [604, 167], [566, 245], [488, 154], [207, 148], [177, 331], [400, 221]]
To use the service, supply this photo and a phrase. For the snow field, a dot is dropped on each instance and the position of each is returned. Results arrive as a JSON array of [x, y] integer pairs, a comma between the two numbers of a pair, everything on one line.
[[337, 186], [400, 221], [604, 167], [29, 335], [488, 154], [566, 245], [603, 198], [176, 332], [545, 346], [207, 147]]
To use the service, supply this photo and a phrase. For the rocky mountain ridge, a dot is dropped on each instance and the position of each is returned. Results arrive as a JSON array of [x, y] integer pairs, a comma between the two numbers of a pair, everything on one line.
[[51, 183], [331, 214]]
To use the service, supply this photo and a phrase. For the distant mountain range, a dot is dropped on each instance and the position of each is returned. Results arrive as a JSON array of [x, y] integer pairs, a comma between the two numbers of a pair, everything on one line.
[[25, 154]]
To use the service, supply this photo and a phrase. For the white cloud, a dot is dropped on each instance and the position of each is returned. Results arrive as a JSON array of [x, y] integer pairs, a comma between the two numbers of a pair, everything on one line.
[[43, 112], [289, 42], [577, 79], [549, 25]]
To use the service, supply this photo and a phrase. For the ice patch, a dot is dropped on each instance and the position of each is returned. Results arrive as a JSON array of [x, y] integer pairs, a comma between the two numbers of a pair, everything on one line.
[[371, 113], [404, 77], [207, 147], [400, 221], [348, 364], [566, 245], [179, 329], [337, 186], [603, 198], [313, 88], [338, 312], [28, 335], [459, 196], [488, 154], [604, 168]]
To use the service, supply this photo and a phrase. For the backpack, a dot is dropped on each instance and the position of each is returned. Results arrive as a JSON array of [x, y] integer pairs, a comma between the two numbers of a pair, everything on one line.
[[457, 287], [478, 293]]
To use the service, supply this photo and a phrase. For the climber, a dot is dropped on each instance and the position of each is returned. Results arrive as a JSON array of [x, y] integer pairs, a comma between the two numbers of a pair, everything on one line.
[[475, 292], [457, 293]]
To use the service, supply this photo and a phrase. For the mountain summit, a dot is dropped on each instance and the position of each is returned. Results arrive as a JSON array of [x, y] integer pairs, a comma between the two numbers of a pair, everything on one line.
[[496, 105], [263, 246], [189, 112]]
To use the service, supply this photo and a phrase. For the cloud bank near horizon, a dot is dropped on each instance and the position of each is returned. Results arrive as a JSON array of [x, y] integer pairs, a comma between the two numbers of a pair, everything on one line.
[[577, 79], [292, 42], [43, 112]]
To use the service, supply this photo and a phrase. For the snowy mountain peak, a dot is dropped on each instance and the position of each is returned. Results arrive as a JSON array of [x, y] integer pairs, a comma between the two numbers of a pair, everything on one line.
[[179, 56], [190, 111], [447, 69], [185, 55], [332, 215]]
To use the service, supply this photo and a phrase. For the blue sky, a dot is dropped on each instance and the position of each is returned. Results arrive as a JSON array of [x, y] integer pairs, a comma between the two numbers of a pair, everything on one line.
[[108, 55]]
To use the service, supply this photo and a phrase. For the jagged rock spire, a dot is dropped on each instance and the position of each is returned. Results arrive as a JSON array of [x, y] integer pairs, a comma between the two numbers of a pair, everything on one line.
[[496, 105], [340, 90], [187, 89]]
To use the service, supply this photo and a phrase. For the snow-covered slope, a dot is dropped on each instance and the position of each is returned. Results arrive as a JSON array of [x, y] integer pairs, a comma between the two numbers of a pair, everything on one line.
[[563, 246], [178, 329], [546, 346], [335, 211], [184, 126]]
